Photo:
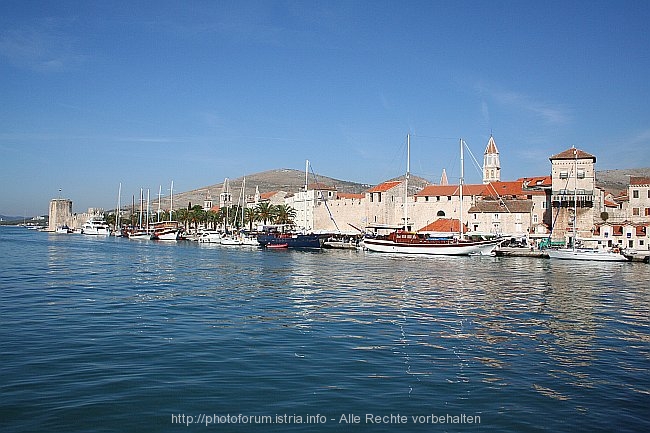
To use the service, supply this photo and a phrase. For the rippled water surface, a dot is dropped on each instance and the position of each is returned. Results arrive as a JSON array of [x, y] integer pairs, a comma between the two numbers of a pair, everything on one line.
[[116, 335]]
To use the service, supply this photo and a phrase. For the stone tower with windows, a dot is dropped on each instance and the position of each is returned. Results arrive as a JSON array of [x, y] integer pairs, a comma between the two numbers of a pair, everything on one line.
[[491, 163], [574, 181]]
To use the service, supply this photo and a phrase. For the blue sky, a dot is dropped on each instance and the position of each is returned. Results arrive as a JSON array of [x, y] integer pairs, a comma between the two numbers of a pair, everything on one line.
[[97, 93]]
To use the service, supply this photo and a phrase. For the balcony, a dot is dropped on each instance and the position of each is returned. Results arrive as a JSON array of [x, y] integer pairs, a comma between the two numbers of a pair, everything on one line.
[[564, 197]]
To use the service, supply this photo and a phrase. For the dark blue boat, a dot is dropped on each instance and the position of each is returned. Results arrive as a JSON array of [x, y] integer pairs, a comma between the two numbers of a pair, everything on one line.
[[292, 240]]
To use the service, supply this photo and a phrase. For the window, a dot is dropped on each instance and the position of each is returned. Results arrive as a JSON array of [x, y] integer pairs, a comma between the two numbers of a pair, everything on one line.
[[635, 211], [448, 198], [535, 219], [495, 216], [635, 193], [440, 213], [581, 174], [641, 243], [437, 198], [647, 211], [564, 175], [544, 204], [518, 217]]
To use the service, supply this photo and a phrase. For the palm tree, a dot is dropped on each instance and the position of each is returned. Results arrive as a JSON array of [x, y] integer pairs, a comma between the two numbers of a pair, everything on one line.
[[265, 211], [197, 215], [284, 214], [182, 215], [250, 217]]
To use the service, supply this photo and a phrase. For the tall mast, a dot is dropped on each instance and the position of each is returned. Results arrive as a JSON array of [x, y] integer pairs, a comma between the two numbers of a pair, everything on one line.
[[159, 194], [575, 197], [147, 210], [406, 180], [141, 210], [171, 201], [119, 198], [460, 184], [306, 186]]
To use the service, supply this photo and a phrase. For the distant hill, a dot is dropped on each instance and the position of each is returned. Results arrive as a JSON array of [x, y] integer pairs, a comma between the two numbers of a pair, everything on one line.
[[286, 179], [615, 181]]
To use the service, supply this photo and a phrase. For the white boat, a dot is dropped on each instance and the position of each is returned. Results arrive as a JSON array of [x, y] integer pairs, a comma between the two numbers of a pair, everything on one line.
[[587, 254], [231, 240], [250, 241], [407, 242], [64, 229], [210, 237], [166, 231], [96, 226], [584, 254]]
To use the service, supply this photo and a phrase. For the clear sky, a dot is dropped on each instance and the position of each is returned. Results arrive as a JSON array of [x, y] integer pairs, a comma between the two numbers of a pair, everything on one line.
[[94, 93]]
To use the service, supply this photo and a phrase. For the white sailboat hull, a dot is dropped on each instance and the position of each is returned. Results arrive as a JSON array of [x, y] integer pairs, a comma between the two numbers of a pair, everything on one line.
[[442, 249], [586, 255]]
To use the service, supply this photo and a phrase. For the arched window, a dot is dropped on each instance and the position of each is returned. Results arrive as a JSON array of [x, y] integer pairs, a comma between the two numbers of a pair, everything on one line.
[[440, 213]]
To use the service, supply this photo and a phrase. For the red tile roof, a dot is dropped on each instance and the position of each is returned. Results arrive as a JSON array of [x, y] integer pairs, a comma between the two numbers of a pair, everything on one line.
[[571, 154], [443, 225], [267, 195], [637, 180], [321, 187], [350, 195], [536, 181], [509, 189], [442, 190], [385, 186]]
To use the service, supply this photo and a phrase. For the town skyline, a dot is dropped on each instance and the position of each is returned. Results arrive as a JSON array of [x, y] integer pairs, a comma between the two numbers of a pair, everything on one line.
[[97, 95]]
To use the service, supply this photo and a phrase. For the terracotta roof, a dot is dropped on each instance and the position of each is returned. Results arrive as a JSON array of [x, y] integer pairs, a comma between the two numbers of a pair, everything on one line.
[[443, 225], [267, 195], [571, 154], [502, 206], [508, 189], [491, 147], [637, 180], [385, 186], [350, 195], [536, 181], [442, 190], [321, 187], [609, 203]]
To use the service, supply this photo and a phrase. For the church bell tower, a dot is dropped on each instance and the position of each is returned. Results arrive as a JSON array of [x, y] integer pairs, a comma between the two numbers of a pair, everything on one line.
[[491, 164]]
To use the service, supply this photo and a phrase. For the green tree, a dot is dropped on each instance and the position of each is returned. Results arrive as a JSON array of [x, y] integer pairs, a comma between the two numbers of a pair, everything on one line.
[[250, 217], [284, 214], [265, 212], [182, 215]]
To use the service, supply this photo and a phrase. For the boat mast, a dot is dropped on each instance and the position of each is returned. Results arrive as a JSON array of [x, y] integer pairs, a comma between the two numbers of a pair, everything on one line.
[[575, 197], [119, 198], [406, 180], [460, 185], [306, 185], [159, 194], [171, 201], [141, 210]]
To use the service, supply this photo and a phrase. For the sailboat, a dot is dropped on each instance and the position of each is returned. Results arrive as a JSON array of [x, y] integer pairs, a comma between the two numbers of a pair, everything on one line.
[[586, 254], [403, 241], [166, 230]]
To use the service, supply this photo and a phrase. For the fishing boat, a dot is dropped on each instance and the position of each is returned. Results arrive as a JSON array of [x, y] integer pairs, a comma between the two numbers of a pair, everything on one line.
[[403, 241], [574, 252]]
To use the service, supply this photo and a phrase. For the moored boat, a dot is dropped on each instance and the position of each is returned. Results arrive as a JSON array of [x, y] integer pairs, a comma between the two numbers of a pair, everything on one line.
[[96, 226], [406, 242], [291, 240]]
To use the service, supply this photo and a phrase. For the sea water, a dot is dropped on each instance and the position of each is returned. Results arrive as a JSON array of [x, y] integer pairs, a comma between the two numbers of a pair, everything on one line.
[[114, 335]]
